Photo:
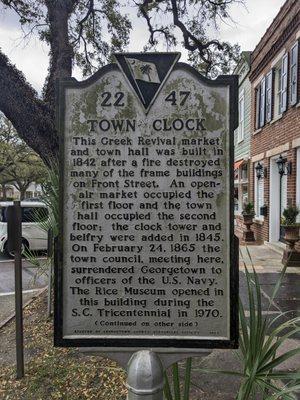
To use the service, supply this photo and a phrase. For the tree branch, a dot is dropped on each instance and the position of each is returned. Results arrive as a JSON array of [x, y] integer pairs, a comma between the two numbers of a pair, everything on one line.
[[61, 54], [190, 41], [31, 118]]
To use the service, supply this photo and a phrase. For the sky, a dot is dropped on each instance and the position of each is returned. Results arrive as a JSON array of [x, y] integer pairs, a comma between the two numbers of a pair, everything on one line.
[[31, 57]]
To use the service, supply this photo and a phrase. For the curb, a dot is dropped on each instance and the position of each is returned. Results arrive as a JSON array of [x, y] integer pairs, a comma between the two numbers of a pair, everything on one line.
[[4, 322]]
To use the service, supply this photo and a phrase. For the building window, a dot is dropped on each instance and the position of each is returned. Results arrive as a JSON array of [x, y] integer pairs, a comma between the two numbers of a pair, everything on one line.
[[262, 103], [244, 172], [258, 193], [261, 95], [277, 90], [28, 194], [269, 96], [284, 83], [257, 107], [294, 75], [241, 127]]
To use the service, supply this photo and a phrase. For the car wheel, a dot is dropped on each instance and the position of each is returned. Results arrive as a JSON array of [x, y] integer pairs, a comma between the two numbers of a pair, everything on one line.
[[11, 254]]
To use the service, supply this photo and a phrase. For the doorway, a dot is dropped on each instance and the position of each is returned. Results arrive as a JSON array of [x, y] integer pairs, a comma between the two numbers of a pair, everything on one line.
[[298, 182], [278, 201]]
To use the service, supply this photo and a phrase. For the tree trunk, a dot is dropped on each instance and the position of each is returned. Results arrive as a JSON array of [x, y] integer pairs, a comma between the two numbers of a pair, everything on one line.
[[4, 197], [22, 193], [30, 116], [33, 118]]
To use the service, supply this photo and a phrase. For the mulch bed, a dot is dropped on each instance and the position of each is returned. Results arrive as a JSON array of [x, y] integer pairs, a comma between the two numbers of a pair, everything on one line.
[[54, 373]]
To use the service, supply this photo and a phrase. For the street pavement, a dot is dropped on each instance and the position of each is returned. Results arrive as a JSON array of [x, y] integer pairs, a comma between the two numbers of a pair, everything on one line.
[[267, 264], [31, 285]]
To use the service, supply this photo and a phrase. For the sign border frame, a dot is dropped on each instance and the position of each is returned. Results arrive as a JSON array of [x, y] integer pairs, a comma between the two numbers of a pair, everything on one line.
[[124, 343]]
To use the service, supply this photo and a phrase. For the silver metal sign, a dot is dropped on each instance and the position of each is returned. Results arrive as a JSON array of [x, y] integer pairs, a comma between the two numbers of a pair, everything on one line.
[[147, 256]]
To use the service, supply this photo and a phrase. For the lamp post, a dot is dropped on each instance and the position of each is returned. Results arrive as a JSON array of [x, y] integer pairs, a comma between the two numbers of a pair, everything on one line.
[[259, 170]]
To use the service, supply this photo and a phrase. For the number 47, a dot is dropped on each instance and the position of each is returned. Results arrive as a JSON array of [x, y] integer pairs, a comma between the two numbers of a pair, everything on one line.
[[172, 97]]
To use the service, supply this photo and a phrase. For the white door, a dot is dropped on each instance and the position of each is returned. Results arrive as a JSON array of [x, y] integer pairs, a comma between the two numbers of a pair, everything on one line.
[[298, 181], [274, 219], [277, 185]]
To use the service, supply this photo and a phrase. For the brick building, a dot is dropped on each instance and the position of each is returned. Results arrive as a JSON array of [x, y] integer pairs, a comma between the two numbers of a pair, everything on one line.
[[275, 122]]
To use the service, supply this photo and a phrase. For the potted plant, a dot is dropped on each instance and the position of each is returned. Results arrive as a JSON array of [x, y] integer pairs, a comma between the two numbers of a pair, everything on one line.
[[248, 212], [291, 227], [248, 215]]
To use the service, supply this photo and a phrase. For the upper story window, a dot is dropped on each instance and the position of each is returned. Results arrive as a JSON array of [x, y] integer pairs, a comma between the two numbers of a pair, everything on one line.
[[262, 102], [244, 172], [269, 96], [277, 89], [294, 74], [284, 83], [241, 127]]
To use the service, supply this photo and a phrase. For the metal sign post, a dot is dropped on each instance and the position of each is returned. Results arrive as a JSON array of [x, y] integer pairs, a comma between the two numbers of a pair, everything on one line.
[[50, 280], [14, 233], [145, 378]]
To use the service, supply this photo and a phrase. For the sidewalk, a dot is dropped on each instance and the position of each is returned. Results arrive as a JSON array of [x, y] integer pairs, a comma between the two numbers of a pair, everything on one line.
[[268, 265], [264, 258]]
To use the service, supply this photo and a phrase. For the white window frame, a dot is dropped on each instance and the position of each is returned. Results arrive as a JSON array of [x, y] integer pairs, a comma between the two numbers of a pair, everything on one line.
[[269, 96], [284, 83], [277, 91], [262, 102], [257, 106], [241, 127]]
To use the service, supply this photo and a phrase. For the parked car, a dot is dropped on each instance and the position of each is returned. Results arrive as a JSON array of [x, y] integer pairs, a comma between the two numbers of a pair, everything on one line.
[[33, 236]]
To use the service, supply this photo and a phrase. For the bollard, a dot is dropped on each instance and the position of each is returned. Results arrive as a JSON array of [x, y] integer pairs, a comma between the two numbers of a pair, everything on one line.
[[145, 379]]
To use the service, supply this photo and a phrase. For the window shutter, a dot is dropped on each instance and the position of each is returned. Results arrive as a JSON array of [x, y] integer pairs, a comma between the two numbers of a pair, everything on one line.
[[269, 96], [284, 81], [294, 75], [241, 118], [262, 102], [257, 106]]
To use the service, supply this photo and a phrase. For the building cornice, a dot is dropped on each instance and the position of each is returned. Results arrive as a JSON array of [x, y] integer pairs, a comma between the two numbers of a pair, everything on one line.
[[275, 48]]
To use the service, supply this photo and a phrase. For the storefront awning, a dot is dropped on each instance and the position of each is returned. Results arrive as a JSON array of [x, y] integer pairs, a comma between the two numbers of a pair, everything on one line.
[[237, 164]]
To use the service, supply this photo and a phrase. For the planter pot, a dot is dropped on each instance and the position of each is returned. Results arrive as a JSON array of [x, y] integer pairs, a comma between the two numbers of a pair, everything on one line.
[[248, 234], [291, 232], [248, 219], [291, 235]]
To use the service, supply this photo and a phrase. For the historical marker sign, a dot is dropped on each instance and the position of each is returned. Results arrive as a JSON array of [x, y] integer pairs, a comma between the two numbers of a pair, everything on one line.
[[147, 256]]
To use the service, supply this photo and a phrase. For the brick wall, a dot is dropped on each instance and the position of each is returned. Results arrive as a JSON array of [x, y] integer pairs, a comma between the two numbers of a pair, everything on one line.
[[280, 36]]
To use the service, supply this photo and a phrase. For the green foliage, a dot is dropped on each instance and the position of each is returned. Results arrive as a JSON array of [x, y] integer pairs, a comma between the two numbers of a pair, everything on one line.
[[178, 394], [248, 208], [19, 165], [223, 60], [290, 215], [50, 197], [260, 341], [261, 338], [49, 221]]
